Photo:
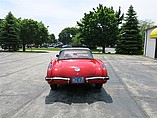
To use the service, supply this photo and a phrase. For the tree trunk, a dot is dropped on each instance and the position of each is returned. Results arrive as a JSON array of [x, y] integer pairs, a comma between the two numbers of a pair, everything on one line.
[[24, 49], [9, 48], [103, 49]]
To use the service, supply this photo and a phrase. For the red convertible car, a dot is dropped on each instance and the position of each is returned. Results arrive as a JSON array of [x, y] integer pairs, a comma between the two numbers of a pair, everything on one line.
[[76, 66]]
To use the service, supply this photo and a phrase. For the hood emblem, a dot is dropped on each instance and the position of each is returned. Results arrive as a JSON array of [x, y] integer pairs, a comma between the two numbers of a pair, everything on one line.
[[77, 69]]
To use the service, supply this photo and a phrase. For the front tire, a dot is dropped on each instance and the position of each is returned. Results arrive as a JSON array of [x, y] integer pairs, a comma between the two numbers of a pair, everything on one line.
[[53, 86], [98, 86]]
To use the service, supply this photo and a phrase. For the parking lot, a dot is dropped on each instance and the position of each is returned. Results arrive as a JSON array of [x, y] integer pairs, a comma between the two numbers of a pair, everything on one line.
[[131, 91]]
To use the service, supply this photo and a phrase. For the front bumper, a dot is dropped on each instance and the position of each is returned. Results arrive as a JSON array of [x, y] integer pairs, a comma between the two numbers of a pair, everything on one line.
[[88, 80]]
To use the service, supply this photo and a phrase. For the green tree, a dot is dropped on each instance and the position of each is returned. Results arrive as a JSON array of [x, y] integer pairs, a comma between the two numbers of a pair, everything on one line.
[[41, 34], [10, 33], [33, 32], [87, 29], [76, 40], [28, 31], [1, 21], [108, 26], [130, 41], [120, 17], [99, 27], [52, 39], [66, 35], [143, 25]]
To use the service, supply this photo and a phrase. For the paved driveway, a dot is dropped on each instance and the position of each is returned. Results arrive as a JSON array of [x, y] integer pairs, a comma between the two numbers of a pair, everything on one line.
[[138, 74], [130, 93]]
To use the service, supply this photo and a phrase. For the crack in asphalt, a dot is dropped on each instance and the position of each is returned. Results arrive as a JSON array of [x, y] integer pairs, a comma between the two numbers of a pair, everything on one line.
[[12, 95], [7, 55], [22, 69], [19, 59]]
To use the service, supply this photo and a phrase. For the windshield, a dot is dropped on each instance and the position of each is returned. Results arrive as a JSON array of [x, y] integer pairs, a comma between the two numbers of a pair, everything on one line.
[[75, 54]]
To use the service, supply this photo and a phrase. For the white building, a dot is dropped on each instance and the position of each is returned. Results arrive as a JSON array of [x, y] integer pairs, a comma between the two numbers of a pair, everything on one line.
[[150, 46]]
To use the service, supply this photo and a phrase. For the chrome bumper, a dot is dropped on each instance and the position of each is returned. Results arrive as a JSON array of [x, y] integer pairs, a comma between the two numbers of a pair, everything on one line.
[[68, 79], [94, 78], [57, 78]]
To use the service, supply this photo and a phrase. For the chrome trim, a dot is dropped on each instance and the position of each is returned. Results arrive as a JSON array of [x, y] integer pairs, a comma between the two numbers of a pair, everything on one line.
[[57, 78], [61, 78], [92, 78], [77, 69]]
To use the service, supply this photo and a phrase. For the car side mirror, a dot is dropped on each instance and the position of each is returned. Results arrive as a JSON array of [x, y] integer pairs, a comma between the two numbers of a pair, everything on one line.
[[57, 55]]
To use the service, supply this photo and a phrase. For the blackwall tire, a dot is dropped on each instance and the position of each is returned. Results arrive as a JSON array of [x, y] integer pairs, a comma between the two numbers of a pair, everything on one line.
[[98, 86], [53, 86]]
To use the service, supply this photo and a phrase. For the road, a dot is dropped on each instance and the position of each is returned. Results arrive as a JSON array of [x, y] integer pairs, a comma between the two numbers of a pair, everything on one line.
[[131, 91]]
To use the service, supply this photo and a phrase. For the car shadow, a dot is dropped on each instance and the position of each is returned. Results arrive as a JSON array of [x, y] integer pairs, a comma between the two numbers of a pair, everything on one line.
[[78, 94]]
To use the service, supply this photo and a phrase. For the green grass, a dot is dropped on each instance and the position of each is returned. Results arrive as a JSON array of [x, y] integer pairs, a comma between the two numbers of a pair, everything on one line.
[[43, 49], [54, 49], [38, 50], [33, 51]]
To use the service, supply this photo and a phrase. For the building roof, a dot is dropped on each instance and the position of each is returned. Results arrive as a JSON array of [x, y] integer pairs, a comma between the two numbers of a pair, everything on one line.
[[152, 27], [153, 33]]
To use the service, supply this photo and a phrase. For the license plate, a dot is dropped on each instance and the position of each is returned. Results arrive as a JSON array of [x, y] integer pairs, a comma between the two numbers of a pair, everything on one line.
[[77, 79]]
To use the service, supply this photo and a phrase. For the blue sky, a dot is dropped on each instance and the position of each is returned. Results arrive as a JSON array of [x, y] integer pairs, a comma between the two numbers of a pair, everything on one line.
[[58, 14]]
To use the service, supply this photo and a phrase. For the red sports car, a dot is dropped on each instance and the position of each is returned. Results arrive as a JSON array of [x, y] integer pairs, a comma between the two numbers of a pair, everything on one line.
[[76, 66]]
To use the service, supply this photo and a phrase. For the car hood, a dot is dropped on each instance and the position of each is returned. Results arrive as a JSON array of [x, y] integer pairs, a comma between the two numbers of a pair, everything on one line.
[[76, 67]]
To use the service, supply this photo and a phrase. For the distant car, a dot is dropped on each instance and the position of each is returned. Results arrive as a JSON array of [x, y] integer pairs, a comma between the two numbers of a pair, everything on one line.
[[66, 46], [76, 66], [44, 46], [58, 45]]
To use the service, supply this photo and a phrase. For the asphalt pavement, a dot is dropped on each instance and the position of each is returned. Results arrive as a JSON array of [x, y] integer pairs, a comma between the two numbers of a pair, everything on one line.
[[131, 91]]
